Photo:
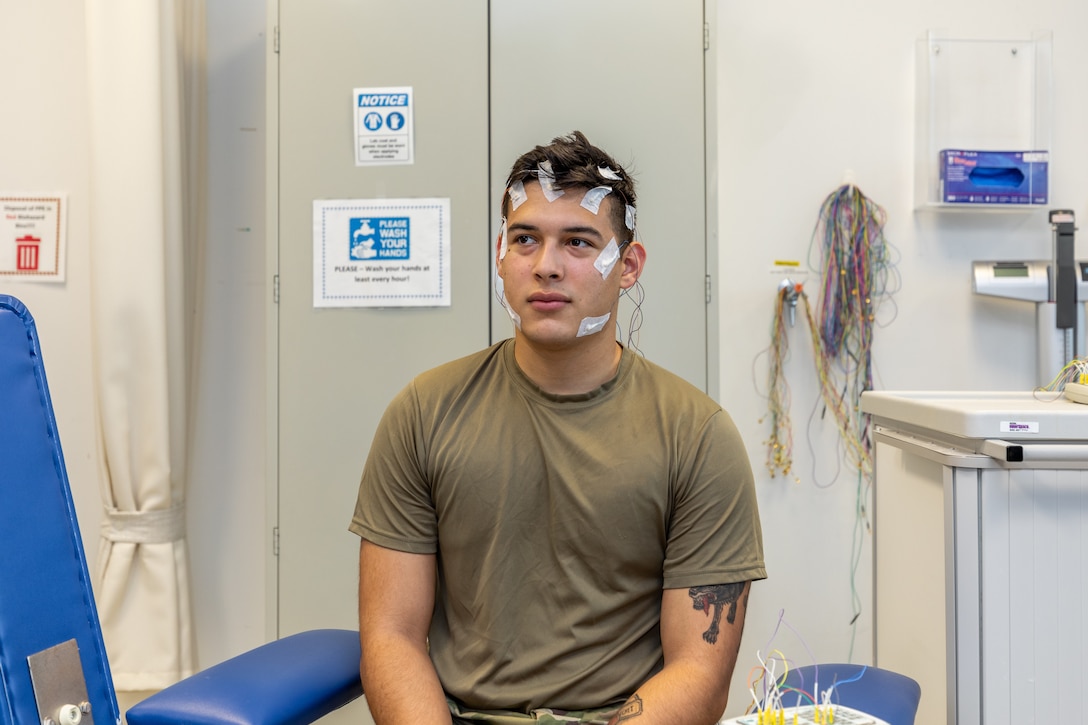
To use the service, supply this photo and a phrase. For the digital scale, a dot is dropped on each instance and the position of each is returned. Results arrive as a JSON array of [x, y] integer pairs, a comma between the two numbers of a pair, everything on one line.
[[1058, 287]]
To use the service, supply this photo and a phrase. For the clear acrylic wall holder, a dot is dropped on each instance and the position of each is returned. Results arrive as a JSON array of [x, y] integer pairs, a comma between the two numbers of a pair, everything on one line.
[[979, 95]]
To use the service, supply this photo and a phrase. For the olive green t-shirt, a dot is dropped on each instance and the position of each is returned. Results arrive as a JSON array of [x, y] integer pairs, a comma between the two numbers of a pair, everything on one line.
[[557, 521]]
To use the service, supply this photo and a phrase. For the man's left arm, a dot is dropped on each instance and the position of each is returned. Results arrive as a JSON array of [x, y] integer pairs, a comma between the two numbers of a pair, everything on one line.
[[700, 637]]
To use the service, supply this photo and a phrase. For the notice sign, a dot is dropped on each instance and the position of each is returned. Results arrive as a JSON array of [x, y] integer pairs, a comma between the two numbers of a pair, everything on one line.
[[32, 237], [382, 253], [383, 126]]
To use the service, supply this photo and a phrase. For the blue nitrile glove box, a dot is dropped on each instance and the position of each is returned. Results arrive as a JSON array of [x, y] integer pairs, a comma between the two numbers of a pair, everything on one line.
[[994, 177]]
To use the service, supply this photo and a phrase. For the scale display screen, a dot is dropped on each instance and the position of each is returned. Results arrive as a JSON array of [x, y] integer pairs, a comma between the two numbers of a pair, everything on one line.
[[1010, 270]]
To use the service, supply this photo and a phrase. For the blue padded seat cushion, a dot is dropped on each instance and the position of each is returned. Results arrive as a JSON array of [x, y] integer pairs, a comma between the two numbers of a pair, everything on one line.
[[290, 681]]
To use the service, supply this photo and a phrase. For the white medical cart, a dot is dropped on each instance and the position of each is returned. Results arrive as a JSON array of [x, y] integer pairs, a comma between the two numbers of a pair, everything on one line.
[[980, 529]]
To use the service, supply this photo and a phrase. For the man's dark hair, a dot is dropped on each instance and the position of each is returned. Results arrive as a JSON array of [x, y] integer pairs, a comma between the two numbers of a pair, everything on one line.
[[577, 164]]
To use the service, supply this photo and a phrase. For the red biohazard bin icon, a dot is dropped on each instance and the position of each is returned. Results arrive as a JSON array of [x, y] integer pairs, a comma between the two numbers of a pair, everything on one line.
[[26, 253]]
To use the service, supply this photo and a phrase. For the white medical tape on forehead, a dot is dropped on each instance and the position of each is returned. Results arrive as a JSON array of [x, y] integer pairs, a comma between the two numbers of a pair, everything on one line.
[[593, 198], [591, 325], [502, 245], [608, 173], [546, 177], [629, 218], [517, 194], [606, 260]]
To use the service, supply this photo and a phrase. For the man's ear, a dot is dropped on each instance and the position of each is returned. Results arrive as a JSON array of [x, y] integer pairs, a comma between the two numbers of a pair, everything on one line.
[[633, 262]]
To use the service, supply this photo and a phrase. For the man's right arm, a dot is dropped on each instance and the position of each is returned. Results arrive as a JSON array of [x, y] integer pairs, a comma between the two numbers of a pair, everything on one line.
[[396, 601]]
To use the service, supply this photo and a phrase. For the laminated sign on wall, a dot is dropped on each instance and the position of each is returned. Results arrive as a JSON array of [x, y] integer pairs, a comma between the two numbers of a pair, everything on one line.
[[32, 237], [382, 253], [383, 126]]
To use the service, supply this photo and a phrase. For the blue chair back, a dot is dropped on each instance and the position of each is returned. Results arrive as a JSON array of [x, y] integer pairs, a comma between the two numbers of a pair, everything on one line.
[[890, 696], [45, 592]]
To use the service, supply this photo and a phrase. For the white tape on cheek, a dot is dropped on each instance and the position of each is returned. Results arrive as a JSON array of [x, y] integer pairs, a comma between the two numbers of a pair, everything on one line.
[[500, 292], [502, 244], [510, 311], [606, 260], [629, 219], [517, 194], [547, 181], [593, 198], [592, 325]]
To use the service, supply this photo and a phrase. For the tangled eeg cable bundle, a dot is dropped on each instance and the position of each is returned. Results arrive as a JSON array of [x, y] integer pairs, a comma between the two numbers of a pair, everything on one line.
[[855, 267]]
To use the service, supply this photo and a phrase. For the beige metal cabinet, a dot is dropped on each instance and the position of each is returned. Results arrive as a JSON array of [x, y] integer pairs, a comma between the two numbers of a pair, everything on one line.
[[489, 81]]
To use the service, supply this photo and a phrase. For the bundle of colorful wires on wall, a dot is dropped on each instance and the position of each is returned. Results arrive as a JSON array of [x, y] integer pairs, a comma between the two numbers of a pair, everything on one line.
[[855, 266], [854, 263], [780, 444]]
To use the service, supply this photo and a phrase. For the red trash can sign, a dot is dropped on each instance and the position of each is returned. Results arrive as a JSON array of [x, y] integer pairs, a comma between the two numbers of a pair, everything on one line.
[[32, 237], [26, 253]]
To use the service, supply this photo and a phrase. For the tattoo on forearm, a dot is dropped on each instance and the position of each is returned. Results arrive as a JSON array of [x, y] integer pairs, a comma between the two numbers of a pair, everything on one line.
[[716, 595], [630, 710]]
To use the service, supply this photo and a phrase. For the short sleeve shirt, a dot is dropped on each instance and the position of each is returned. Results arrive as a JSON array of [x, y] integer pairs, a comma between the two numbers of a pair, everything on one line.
[[556, 521]]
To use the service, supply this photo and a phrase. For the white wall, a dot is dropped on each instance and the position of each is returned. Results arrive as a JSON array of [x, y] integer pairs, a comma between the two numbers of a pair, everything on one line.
[[43, 148], [808, 91]]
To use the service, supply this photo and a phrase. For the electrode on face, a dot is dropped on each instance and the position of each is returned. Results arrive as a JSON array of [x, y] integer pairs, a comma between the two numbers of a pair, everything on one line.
[[502, 244], [629, 218], [500, 292], [517, 194], [593, 198], [591, 325], [607, 259], [510, 311]]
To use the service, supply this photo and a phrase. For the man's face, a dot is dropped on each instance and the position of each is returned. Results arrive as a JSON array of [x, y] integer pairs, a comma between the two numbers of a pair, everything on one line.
[[548, 271]]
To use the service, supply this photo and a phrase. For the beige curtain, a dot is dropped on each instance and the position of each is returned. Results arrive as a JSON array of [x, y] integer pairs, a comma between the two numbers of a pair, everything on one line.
[[145, 65]]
